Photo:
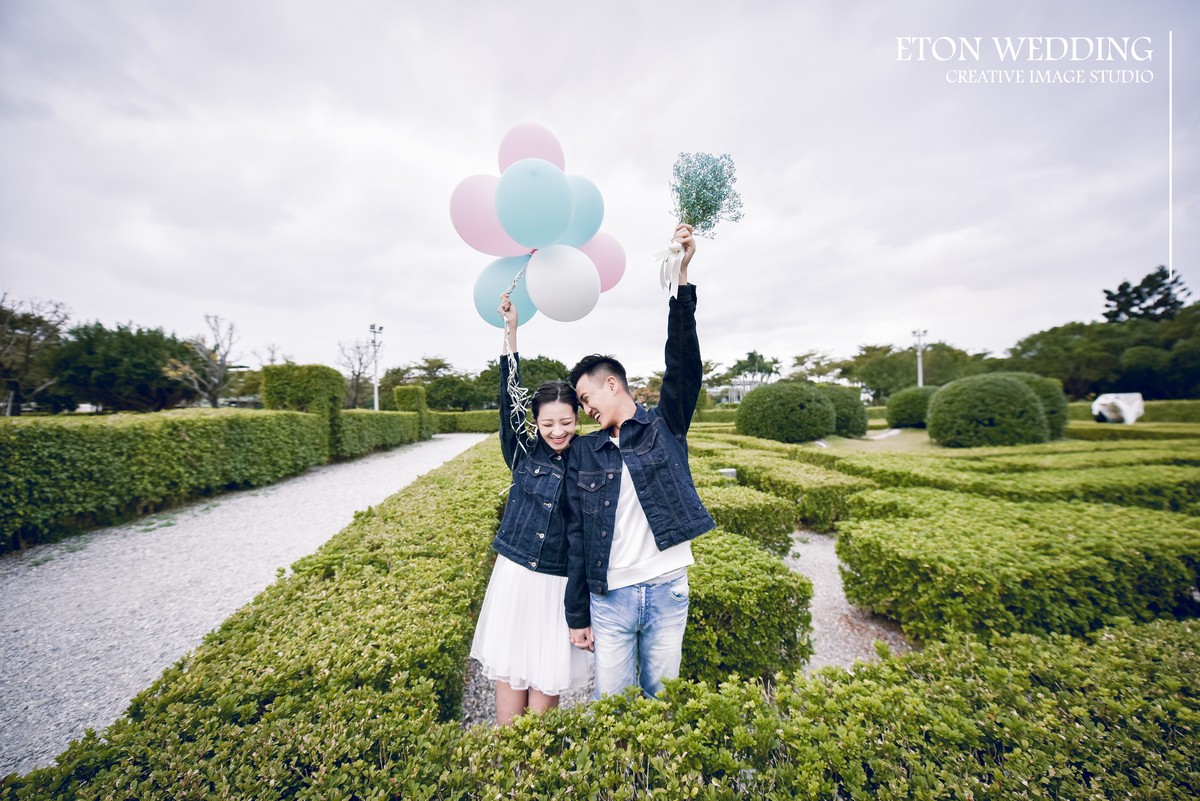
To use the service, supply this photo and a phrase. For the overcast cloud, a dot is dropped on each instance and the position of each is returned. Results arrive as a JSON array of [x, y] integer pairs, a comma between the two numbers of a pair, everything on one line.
[[288, 166]]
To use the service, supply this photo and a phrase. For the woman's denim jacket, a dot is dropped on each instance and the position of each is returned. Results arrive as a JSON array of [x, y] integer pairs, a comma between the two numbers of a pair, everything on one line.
[[654, 446], [532, 532]]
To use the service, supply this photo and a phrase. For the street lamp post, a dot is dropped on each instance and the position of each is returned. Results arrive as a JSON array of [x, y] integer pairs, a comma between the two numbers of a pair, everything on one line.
[[375, 331], [920, 334]]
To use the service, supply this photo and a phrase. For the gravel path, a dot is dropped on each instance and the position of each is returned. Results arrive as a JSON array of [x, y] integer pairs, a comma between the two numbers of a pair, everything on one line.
[[842, 634], [87, 623]]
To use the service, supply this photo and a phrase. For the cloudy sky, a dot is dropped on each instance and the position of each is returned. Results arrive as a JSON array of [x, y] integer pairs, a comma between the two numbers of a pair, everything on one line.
[[288, 165]]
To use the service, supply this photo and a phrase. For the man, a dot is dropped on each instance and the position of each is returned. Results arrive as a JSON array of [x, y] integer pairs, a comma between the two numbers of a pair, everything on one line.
[[632, 510]]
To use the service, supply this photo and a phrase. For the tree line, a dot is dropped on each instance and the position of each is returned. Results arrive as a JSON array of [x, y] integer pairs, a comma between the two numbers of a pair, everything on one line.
[[1148, 342]]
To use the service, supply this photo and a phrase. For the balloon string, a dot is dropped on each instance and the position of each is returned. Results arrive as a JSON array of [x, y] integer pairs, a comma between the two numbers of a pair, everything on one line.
[[517, 394]]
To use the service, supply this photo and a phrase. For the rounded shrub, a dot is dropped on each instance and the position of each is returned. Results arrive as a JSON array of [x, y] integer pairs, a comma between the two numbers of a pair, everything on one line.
[[907, 408], [1054, 403], [848, 409], [986, 410], [786, 411]]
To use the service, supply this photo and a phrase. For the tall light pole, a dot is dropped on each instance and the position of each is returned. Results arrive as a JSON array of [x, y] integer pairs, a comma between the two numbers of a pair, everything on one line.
[[375, 331], [920, 334]]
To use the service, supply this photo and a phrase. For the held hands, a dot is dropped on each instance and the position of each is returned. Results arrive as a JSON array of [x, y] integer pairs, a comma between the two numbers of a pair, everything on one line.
[[582, 638]]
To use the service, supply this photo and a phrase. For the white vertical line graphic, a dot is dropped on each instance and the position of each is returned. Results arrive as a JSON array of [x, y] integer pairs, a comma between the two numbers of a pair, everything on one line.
[[1171, 153]]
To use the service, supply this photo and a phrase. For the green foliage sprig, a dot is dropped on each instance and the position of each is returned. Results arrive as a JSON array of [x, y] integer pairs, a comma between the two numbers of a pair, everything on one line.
[[702, 185]]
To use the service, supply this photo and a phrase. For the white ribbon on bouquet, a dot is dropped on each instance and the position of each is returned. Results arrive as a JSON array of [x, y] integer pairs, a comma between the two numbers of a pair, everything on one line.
[[670, 264]]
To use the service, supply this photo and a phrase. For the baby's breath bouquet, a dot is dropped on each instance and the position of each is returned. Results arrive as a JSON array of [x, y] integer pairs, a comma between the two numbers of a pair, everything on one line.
[[703, 188], [702, 185]]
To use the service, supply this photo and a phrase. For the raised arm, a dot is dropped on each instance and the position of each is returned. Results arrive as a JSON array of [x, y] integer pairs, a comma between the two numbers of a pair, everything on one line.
[[509, 445], [684, 370]]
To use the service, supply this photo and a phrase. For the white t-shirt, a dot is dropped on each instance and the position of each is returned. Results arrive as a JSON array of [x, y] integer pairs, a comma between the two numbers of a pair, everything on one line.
[[635, 557]]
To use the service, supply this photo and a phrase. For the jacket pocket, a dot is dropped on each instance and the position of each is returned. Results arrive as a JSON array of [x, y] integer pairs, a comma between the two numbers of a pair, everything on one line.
[[591, 485]]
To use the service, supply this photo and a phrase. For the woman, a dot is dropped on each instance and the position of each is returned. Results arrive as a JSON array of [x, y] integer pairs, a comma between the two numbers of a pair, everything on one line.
[[521, 640]]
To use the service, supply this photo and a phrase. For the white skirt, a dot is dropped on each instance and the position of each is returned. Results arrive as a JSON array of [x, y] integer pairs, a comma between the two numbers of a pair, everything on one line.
[[522, 636]]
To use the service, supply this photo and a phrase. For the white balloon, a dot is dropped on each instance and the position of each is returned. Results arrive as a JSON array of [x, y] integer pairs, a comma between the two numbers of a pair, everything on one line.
[[562, 282]]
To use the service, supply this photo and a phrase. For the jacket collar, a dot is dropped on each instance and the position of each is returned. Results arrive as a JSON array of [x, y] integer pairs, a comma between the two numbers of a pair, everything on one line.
[[641, 415]]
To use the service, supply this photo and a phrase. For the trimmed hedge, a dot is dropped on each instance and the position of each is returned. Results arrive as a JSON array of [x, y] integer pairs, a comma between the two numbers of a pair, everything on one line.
[[1174, 487], [908, 407], [1156, 411], [1094, 431], [361, 431], [1112, 716], [766, 519], [850, 416], [748, 613], [312, 388], [337, 676], [786, 411], [938, 561], [484, 422], [716, 415], [821, 496], [986, 410], [411, 398], [64, 474]]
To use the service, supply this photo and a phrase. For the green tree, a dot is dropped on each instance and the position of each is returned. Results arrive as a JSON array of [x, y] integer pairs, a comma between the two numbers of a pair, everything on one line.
[[535, 370], [29, 332], [120, 369], [1158, 296], [755, 367], [455, 392]]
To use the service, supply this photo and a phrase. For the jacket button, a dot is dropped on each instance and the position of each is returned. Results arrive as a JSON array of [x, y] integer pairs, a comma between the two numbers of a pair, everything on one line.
[[603, 533], [537, 470], [598, 563], [592, 485], [541, 535], [610, 475], [533, 565], [547, 504], [606, 503]]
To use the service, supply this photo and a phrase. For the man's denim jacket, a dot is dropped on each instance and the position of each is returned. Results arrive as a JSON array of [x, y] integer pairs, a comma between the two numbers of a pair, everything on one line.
[[532, 532], [654, 446]]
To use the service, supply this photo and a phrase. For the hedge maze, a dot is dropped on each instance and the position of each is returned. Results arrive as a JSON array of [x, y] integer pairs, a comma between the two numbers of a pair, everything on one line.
[[1053, 588]]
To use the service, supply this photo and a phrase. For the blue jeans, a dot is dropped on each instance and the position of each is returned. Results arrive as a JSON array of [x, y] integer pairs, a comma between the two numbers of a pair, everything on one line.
[[638, 633]]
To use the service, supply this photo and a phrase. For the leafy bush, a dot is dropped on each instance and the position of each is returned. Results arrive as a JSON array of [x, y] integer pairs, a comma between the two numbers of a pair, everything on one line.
[[65, 474], [1093, 431], [748, 614], [786, 411], [939, 561], [312, 388], [766, 519], [908, 407], [850, 416], [361, 432], [1054, 403], [718, 414], [986, 410]]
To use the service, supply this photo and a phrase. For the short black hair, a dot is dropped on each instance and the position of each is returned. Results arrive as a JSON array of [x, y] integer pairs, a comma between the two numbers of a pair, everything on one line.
[[553, 392], [597, 364]]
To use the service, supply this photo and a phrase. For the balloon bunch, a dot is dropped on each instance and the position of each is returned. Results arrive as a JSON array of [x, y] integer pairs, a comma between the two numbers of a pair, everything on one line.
[[541, 222]]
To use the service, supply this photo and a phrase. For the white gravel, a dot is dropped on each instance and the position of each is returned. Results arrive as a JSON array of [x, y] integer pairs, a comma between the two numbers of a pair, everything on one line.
[[87, 623], [842, 634]]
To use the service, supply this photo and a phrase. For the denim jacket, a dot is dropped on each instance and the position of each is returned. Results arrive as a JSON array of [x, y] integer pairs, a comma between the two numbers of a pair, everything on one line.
[[654, 446], [532, 532]]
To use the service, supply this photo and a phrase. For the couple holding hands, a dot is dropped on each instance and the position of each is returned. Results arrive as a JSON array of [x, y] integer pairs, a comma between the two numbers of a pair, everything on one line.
[[594, 545]]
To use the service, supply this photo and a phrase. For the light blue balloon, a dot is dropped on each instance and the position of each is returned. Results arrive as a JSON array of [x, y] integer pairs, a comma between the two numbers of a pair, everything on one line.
[[493, 282], [534, 202], [589, 212]]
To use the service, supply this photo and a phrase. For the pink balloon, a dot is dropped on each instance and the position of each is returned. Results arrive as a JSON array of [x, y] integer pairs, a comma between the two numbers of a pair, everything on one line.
[[473, 212], [609, 257], [530, 141]]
